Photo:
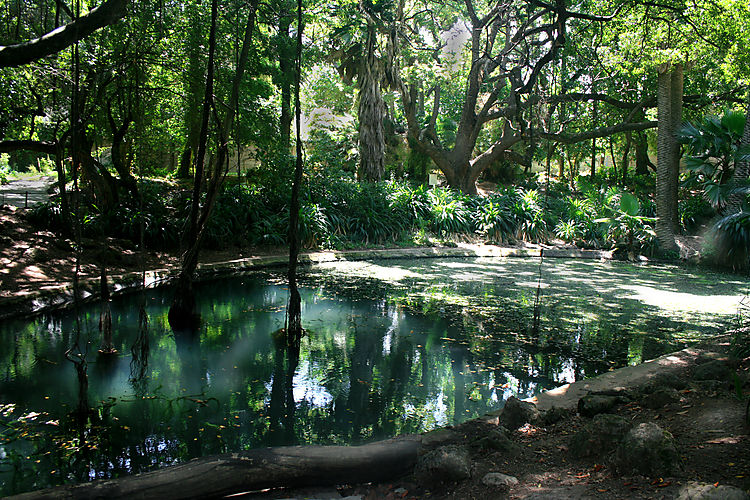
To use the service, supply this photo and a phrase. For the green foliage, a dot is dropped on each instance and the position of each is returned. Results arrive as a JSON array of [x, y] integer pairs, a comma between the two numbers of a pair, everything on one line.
[[493, 219], [714, 147], [731, 238], [529, 215], [4, 168], [448, 212], [693, 209]]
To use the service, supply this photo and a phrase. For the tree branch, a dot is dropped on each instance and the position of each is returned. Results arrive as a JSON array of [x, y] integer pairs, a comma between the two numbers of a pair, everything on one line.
[[28, 145], [55, 41], [596, 133]]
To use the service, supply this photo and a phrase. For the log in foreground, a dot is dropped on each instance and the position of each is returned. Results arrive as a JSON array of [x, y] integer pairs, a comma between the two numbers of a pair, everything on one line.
[[221, 475]]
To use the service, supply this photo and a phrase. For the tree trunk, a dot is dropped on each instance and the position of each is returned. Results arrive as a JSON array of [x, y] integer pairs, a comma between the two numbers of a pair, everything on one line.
[[222, 475], [51, 43], [594, 119], [286, 67], [294, 310], [741, 169], [625, 154], [104, 185], [665, 163], [182, 312], [195, 92], [675, 116], [61, 182], [641, 154], [371, 111]]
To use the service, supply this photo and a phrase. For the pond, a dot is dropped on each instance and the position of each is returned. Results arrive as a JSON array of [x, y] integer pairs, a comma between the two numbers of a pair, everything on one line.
[[391, 347]]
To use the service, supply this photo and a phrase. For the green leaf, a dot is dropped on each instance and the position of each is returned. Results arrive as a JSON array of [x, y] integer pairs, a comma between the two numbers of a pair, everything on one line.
[[734, 121], [629, 204]]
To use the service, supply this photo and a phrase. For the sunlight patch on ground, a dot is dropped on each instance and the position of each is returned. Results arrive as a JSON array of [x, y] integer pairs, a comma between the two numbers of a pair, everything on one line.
[[679, 301], [369, 270]]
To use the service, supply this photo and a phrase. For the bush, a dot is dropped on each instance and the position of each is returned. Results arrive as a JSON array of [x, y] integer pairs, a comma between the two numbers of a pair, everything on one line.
[[731, 237], [448, 212], [4, 168]]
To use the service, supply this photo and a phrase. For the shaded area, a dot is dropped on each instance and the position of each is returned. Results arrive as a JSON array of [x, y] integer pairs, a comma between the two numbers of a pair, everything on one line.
[[392, 347]]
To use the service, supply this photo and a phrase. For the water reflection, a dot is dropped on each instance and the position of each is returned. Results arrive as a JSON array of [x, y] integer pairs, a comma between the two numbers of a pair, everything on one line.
[[426, 344]]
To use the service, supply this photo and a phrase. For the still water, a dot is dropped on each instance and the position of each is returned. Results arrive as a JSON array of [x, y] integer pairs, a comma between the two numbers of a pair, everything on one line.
[[391, 347]]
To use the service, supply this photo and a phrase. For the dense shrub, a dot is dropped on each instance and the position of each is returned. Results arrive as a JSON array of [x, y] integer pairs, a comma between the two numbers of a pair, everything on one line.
[[731, 238], [338, 212]]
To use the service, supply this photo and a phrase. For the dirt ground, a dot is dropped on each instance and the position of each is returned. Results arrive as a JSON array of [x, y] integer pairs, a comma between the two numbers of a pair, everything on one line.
[[31, 259], [708, 422]]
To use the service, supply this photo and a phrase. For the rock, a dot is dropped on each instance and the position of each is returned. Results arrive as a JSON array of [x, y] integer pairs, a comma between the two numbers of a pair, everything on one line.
[[515, 413], [649, 450], [662, 380], [36, 254], [704, 491], [5, 241], [440, 437], [600, 436], [708, 386], [593, 404], [497, 440], [712, 370], [498, 479], [706, 356], [64, 244], [661, 397], [449, 463], [554, 415]]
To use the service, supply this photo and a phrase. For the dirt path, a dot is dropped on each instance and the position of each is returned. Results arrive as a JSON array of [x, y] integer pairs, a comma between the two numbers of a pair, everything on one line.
[[25, 193]]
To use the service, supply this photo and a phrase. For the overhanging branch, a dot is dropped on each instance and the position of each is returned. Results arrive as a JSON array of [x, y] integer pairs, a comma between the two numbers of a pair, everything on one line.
[[596, 133], [28, 145], [64, 36]]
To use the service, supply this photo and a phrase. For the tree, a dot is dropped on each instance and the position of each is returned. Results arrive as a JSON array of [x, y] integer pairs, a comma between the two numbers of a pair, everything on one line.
[[182, 311], [294, 310], [510, 49]]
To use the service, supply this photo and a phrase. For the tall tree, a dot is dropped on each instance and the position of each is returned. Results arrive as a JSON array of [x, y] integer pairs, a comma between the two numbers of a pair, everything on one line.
[[182, 311], [294, 310], [666, 177], [510, 48], [371, 111]]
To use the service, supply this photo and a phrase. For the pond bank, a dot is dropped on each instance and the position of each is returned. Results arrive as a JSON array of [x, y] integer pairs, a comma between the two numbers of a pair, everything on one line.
[[468, 460], [60, 295]]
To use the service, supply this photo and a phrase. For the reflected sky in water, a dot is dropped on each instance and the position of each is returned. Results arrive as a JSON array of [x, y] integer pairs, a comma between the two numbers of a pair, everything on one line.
[[392, 346]]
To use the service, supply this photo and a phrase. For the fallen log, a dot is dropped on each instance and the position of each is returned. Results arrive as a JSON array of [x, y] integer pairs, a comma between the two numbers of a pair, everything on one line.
[[221, 475]]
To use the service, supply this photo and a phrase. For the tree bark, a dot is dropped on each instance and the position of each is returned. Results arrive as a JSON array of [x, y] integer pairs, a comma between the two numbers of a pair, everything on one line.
[[741, 169], [370, 112], [665, 163], [286, 66], [625, 154], [675, 115], [53, 42], [222, 475]]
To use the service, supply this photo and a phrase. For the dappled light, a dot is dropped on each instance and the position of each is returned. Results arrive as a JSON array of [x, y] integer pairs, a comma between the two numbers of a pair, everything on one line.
[[688, 302], [391, 346]]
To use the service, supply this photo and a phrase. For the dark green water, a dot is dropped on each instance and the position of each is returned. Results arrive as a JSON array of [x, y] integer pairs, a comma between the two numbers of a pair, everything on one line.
[[392, 347]]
